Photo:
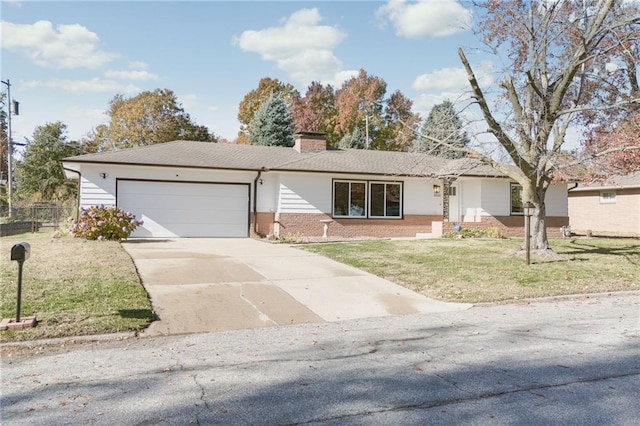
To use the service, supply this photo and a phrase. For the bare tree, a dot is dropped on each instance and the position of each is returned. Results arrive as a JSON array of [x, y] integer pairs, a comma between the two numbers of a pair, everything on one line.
[[567, 63]]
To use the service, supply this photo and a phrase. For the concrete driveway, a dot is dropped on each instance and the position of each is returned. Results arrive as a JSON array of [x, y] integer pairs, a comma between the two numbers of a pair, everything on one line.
[[204, 284]]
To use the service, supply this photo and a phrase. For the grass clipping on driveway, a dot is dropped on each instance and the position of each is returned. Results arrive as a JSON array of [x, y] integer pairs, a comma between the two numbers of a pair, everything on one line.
[[73, 286], [468, 270]]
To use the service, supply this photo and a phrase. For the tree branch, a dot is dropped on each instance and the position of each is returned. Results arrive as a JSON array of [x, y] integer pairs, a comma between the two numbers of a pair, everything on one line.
[[494, 126]]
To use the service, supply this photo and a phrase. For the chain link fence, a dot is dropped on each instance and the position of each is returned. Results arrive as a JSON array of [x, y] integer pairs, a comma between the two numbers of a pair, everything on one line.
[[32, 218]]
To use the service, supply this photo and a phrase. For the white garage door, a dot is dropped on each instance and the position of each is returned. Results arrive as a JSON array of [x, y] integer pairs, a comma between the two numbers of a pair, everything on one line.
[[180, 209]]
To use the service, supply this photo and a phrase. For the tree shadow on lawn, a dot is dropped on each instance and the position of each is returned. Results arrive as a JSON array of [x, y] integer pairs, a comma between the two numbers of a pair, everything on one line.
[[584, 247], [146, 314]]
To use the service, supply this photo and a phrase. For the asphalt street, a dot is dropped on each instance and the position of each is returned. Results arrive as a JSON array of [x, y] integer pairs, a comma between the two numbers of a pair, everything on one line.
[[573, 361]]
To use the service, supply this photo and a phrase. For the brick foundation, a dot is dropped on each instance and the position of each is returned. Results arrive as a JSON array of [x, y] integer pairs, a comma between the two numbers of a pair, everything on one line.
[[310, 225], [266, 223], [510, 226]]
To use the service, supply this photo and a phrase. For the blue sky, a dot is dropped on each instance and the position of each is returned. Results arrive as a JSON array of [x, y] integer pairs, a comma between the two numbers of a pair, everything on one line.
[[66, 60]]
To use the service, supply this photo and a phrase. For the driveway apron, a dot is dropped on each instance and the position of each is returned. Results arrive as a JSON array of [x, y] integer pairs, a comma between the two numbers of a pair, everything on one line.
[[207, 284]]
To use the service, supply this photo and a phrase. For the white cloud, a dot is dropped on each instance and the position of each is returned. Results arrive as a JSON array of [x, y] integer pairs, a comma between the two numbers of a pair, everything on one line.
[[301, 46], [131, 75], [454, 79], [94, 85], [425, 101], [436, 18], [450, 84], [94, 114], [66, 46], [341, 77], [138, 65]]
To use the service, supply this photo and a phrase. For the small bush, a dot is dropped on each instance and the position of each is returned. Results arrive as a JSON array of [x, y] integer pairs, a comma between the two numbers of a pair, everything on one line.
[[296, 238], [103, 223]]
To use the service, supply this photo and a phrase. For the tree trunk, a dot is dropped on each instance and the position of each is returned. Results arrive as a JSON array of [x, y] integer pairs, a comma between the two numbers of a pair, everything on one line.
[[539, 240]]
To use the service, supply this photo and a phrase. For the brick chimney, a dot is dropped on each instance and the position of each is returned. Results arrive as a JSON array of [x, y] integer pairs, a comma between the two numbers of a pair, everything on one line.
[[310, 142]]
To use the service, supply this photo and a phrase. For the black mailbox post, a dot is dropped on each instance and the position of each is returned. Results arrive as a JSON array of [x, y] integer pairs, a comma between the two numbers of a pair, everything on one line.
[[20, 252]]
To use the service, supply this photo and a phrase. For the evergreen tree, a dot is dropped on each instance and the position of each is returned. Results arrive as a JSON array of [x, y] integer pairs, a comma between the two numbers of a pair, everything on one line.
[[272, 124], [443, 125], [354, 140]]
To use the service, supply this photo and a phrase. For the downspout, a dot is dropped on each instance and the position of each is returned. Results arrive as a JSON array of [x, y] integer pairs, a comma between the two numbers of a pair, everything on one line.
[[575, 185], [255, 200], [79, 187]]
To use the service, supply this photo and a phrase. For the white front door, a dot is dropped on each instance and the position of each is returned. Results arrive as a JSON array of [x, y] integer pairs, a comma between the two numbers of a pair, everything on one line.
[[454, 203]]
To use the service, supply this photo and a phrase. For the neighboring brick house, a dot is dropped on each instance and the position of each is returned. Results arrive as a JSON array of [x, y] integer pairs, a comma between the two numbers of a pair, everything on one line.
[[200, 189], [607, 209]]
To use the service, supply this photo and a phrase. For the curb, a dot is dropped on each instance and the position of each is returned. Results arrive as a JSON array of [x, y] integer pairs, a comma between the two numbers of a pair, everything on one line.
[[69, 340], [562, 297]]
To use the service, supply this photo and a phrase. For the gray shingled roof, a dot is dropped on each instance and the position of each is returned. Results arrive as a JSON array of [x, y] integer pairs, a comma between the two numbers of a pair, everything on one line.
[[627, 181], [250, 157]]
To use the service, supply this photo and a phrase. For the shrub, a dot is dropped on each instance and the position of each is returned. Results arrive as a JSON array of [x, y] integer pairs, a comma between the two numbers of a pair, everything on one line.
[[492, 232], [103, 223]]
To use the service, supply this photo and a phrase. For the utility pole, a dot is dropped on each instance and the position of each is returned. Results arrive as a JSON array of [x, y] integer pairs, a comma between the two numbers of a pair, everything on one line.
[[9, 147]]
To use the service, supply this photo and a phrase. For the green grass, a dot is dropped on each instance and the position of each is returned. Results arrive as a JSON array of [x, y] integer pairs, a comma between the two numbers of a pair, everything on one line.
[[474, 271], [73, 287]]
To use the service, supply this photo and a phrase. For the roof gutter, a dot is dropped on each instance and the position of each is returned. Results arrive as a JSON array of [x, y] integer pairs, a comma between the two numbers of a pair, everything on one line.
[[255, 200]]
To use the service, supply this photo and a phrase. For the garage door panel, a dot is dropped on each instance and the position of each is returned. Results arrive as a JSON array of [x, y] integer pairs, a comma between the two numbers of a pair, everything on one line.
[[181, 209], [186, 202], [199, 217]]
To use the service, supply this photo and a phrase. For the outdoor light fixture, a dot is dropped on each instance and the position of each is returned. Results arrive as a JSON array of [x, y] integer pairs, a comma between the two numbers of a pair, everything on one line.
[[261, 181], [528, 208], [104, 175], [436, 190]]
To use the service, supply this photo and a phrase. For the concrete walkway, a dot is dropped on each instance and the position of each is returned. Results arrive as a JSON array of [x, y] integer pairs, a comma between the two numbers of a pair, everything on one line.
[[199, 285]]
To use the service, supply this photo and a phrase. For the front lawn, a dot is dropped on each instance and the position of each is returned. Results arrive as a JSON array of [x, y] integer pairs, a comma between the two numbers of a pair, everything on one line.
[[468, 270], [73, 286]]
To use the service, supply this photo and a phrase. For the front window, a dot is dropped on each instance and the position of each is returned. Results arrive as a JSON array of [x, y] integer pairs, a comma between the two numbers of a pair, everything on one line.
[[360, 199], [385, 200], [349, 199], [516, 199]]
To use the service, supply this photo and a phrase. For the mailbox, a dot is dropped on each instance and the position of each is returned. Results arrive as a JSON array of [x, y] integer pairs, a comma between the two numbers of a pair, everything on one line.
[[20, 252]]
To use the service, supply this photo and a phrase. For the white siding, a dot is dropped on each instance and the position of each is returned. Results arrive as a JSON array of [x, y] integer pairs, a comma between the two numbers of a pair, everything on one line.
[[419, 198], [93, 194], [312, 192], [304, 193], [556, 200], [495, 197]]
